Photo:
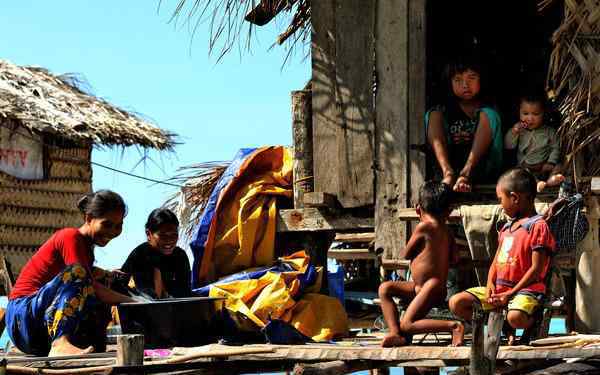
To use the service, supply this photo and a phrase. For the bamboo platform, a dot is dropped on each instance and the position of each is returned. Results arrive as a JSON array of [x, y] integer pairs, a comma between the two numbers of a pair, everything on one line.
[[352, 355]]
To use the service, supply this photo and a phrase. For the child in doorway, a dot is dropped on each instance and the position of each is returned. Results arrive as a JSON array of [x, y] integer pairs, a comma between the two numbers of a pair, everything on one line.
[[536, 144], [465, 132], [430, 250], [516, 276]]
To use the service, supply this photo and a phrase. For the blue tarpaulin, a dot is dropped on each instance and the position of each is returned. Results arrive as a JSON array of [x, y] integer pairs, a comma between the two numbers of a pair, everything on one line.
[[197, 244]]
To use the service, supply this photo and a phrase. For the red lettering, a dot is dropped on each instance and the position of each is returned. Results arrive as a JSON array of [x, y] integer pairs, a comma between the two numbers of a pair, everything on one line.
[[23, 156], [14, 157]]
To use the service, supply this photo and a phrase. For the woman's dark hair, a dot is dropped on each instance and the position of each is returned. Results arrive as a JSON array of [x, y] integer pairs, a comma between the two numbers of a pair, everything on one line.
[[100, 203], [160, 216]]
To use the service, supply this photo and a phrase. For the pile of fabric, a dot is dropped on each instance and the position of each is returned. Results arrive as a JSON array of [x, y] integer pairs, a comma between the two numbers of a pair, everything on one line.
[[234, 249]]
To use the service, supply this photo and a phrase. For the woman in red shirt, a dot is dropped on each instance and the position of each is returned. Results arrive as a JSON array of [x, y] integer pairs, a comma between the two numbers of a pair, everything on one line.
[[57, 306]]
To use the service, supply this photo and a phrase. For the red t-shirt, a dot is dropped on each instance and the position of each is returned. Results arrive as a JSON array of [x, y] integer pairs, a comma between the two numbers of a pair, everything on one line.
[[66, 246], [515, 250]]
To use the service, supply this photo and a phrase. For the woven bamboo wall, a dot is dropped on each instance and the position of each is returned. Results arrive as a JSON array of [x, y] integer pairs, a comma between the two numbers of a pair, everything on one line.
[[31, 211]]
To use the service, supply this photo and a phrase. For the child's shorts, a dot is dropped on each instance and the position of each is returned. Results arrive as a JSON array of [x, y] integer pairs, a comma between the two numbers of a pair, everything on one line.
[[522, 301]]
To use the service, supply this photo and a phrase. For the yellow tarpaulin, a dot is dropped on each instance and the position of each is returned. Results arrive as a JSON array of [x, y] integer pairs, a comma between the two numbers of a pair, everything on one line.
[[252, 303], [242, 236]]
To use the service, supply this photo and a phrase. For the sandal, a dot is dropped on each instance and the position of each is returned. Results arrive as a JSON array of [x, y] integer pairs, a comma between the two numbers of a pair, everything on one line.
[[462, 185]]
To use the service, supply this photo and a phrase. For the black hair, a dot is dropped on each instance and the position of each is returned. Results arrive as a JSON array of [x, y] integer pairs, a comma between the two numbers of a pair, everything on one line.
[[101, 202], [435, 197], [519, 180], [160, 216], [534, 97], [459, 65]]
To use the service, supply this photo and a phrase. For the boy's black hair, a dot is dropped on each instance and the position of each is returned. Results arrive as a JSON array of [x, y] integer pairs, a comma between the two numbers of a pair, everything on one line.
[[534, 96], [519, 180], [435, 197], [158, 217]]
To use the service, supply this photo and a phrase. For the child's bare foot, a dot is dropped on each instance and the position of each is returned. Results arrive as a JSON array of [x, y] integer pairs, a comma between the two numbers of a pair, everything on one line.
[[448, 178], [541, 185], [393, 340], [555, 180], [463, 185], [61, 347], [458, 335], [511, 339]]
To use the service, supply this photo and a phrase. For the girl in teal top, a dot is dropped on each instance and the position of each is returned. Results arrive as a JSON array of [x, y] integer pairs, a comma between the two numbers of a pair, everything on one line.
[[465, 135]]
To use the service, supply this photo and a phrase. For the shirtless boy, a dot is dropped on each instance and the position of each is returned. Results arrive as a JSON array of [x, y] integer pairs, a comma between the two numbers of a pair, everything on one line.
[[430, 250]]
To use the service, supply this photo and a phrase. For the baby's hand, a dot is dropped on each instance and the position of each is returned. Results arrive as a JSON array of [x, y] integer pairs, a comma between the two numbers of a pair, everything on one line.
[[518, 127]]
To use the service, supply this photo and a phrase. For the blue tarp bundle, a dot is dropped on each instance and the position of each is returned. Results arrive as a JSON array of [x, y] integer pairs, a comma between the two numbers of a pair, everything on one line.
[[197, 244]]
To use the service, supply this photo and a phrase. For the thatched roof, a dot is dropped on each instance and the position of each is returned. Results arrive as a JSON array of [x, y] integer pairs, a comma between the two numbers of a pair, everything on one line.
[[227, 20], [55, 105]]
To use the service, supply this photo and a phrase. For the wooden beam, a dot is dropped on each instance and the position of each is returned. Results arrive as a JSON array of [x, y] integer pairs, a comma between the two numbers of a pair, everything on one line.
[[314, 219], [334, 367], [325, 112], [354, 61], [595, 185], [351, 254], [417, 78], [318, 199], [587, 289], [303, 145], [409, 214], [391, 140], [355, 237]]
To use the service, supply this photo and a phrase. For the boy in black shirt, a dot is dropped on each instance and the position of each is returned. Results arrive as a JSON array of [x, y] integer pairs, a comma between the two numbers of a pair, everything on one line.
[[158, 266]]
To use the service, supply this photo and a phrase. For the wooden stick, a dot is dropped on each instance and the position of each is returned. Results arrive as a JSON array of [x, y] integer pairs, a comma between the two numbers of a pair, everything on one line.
[[218, 353], [479, 365], [303, 145], [492, 342], [12, 369], [130, 350]]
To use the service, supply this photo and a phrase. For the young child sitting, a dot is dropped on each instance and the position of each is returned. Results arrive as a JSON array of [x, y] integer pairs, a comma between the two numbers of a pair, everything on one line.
[[525, 245], [430, 250], [536, 144]]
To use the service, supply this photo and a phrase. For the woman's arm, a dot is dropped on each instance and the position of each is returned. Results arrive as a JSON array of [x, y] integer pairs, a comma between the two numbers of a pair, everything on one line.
[[109, 296]]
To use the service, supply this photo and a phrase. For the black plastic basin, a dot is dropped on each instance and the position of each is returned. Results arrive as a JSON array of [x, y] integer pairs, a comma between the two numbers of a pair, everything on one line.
[[174, 322]]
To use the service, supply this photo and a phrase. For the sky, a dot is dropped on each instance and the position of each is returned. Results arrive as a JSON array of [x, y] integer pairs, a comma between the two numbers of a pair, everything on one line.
[[133, 57]]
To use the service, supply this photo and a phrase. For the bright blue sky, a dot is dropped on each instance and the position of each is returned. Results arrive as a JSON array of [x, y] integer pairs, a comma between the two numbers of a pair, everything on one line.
[[132, 57]]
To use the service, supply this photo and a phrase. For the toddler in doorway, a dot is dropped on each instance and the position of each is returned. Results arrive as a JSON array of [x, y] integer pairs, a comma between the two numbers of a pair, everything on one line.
[[537, 147]]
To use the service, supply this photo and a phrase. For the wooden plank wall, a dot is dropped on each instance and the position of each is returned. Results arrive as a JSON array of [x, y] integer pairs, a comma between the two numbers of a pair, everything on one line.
[[31, 211], [400, 102], [343, 124]]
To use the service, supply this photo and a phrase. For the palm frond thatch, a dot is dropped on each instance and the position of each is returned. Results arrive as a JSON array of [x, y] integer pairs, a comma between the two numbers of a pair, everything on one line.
[[197, 181], [227, 20], [574, 79], [58, 105]]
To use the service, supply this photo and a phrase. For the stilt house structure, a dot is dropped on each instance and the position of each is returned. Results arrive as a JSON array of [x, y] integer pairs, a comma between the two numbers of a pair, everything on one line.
[[359, 126], [48, 128]]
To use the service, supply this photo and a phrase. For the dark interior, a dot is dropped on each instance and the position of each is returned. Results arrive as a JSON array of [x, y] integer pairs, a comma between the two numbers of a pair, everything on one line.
[[512, 38]]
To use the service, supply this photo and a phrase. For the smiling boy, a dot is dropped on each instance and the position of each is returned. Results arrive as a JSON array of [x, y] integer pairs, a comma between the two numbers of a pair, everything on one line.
[[517, 274]]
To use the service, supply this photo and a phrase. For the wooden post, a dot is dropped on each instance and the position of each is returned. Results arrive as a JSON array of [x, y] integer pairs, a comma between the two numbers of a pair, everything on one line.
[[303, 145], [391, 133], [587, 289], [130, 350], [479, 364], [492, 342]]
